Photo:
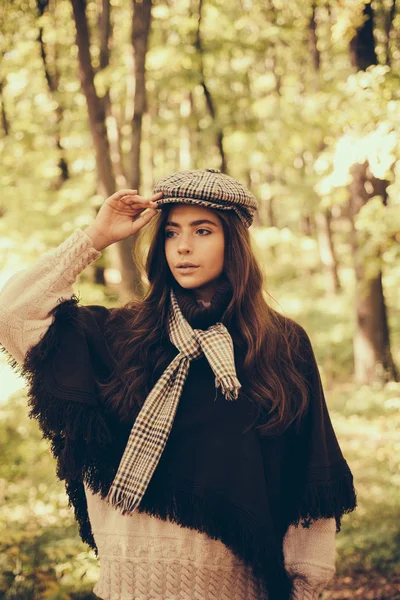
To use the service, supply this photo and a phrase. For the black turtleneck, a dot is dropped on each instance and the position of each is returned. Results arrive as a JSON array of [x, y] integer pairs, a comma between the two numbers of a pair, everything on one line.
[[200, 316]]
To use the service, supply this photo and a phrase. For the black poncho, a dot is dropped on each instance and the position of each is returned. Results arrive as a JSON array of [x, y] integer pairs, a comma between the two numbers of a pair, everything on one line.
[[217, 474]]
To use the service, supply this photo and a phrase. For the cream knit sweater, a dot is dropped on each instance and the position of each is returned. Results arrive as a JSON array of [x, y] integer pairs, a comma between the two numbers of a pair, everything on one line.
[[142, 557]]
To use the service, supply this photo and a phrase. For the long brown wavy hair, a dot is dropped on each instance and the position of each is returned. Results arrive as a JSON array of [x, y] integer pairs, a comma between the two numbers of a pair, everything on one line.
[[137, 331]]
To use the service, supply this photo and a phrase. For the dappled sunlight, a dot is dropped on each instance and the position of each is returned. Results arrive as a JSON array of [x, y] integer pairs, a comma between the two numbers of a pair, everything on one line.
[[10, 381], [368, 427], [376, 147], [36, 523]]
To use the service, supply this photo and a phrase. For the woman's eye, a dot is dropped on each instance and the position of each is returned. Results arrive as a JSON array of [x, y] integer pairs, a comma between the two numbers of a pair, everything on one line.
[[172, 232]]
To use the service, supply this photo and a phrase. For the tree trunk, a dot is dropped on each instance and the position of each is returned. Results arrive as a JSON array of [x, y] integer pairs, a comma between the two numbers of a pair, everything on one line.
[[253, 181], [327, 251], [112, 113], [185, 155], [306, 224], [272, 59], [140, 34], [207, 94], [196, 134], [372, 354], [323, 218], [362, 46], [4, 119], [122, 251], [388, 29], [52, 78], [271, 212], [313, 45], [95, 105]]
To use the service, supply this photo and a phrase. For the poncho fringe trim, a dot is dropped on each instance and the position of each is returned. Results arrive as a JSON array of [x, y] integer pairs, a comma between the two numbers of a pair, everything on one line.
[[56, 416], [207, 513], [325, 500], [64, 423]]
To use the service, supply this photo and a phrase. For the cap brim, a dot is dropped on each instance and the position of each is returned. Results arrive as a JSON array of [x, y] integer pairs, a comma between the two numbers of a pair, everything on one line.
[[195, 201]]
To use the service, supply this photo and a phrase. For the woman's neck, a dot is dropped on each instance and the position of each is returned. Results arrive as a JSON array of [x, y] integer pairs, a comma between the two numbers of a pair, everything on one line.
[[201, 313]]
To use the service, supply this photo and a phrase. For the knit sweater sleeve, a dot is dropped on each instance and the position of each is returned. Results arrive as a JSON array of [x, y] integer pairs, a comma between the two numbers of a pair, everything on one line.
[[27, 297], [309, 554]]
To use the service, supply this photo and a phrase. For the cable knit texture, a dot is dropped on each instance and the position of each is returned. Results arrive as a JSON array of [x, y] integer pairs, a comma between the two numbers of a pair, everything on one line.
[[142, 557], [28, 296], [310, 557]]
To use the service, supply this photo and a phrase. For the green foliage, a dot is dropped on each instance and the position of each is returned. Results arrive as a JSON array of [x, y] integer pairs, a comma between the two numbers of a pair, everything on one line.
[[367, 422], [41, 555]]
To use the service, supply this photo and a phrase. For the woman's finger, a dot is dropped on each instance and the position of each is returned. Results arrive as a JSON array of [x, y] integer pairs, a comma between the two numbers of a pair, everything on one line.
[[121, 193], [137, 203], [157, 196], [152, 200], [143, 219]]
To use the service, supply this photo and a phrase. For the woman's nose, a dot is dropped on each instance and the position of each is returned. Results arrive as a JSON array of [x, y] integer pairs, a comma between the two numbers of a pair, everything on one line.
[[184, 245]]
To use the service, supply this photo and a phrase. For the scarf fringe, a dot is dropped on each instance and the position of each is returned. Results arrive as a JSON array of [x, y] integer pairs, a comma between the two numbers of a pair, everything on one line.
[[118, 499], [246, 538], [331, 499], [229, 385]]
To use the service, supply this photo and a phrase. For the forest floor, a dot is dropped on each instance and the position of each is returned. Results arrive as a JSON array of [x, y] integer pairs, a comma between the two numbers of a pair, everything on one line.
[[360, 587]]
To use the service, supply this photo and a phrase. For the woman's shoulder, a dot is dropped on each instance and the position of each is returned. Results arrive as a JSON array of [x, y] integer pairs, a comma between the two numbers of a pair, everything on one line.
[[289, 325], [103, 315], [295, 336], [110, 324], [71, 314]]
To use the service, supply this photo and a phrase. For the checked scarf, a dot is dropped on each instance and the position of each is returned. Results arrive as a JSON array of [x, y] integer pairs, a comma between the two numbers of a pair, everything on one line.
[[153, 424]]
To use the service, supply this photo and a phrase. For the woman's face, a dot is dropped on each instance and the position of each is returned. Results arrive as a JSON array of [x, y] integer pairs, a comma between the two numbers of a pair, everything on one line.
[[194, 234]]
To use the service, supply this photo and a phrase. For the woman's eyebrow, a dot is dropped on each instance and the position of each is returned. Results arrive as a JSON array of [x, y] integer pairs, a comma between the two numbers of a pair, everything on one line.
[[193, 223]]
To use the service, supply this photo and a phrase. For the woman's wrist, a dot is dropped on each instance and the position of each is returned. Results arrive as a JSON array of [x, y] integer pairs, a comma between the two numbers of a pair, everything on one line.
[[99, 241]]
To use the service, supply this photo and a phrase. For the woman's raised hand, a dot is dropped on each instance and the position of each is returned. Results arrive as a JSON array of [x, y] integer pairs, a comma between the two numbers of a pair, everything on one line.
[[121, 215]]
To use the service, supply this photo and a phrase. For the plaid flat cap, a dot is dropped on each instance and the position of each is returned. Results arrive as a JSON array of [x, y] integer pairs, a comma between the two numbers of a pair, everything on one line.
[[210, 188]]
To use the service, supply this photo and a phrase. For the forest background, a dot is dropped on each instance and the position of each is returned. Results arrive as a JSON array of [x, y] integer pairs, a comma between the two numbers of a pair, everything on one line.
[[298, 100]]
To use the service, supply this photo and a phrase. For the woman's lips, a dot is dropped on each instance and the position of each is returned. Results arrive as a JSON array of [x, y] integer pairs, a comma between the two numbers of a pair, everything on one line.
[[187, 270]]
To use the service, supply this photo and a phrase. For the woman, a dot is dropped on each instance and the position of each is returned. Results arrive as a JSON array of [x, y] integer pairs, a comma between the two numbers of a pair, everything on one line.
[[190, 428]]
